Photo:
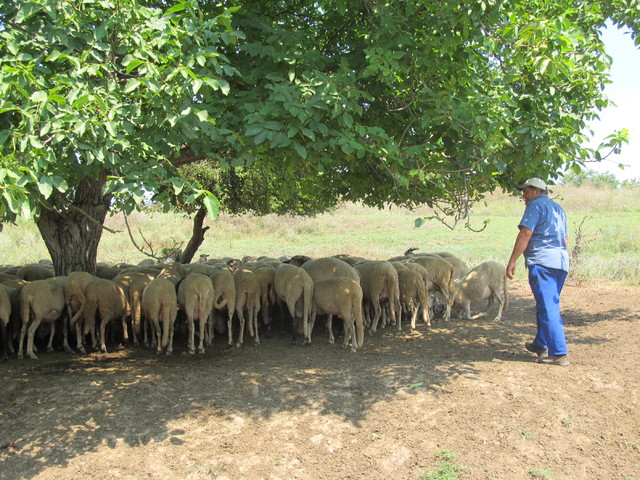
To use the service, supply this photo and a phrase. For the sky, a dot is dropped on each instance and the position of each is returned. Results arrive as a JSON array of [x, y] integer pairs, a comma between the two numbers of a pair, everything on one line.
[[624, 91]]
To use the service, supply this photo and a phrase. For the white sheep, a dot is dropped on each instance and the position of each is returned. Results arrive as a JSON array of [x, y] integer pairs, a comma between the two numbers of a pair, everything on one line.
[[105, 297], [487, 281], [159, 305], [294, 287], [40, 301], [195, 298]]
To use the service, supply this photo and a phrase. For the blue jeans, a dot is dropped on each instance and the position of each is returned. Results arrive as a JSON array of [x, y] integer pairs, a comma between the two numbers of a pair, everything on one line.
[[546, 285]]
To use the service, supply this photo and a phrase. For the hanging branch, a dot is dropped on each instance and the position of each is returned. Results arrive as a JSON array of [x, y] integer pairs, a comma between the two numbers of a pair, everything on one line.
[[159, 256]]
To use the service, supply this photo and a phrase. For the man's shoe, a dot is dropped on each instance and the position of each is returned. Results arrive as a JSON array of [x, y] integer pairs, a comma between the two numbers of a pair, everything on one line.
[[541, 352], [561, 360]]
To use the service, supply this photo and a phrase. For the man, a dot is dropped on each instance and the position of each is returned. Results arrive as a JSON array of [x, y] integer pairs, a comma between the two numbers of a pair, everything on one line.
[[543, 242]]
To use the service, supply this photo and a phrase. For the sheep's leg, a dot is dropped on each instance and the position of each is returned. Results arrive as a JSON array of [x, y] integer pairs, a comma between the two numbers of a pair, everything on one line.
[[500, 307], [30, 334], [158, 341], [79, 338], [203, 325], [425, 316], [414, 317], [170, 346], [65, 334], [241, 334], [254, 320], [23, 333], [191, 328], [330, 329], [125, 331], [377, 312], [249, 308], [103, 327], [230, 326]]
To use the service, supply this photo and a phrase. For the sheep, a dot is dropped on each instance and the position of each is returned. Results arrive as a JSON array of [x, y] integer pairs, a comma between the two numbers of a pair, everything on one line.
[[14, 290], [265, 273], [224, 288], [413, 292], [487, 281], [379, 281], [133, 283], [327, 267], [40, 301], [160, 305], [460, 268], [294, 287], [174, 272], [108, 299], [440, 274], [247, 298], [341, 297], [5, 314], [74, 294], [35, 271], [195, 297]]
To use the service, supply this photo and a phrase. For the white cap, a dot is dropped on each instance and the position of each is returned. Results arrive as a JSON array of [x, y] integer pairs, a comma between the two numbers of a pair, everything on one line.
[[533, 182]]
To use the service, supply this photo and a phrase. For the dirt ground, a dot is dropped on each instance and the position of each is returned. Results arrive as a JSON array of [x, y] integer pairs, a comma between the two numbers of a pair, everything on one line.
[[390, 411]]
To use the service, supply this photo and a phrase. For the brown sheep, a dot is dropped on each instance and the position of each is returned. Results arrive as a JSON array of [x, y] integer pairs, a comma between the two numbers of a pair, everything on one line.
[[160, 305], [195, 297], [247, 298], [294, 287], [40, 301], [108, 299], [341, 297], [224, 287]]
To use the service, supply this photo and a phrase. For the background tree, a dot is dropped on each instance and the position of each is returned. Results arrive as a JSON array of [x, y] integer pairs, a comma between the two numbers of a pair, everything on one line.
[[408, 102]]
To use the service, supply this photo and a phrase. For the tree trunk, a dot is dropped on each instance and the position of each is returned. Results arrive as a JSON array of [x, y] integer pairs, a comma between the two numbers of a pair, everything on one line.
[[72, 231], [197, 237]]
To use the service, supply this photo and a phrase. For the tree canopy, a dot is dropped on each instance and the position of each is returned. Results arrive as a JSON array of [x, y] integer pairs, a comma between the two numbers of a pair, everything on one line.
[[406, 102]]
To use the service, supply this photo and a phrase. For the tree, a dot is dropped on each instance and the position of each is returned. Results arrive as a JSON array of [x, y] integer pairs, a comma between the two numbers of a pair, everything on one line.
[[404, 102]]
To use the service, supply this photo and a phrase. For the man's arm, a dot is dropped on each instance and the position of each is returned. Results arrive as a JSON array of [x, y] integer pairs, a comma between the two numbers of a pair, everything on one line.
[[522, 240]]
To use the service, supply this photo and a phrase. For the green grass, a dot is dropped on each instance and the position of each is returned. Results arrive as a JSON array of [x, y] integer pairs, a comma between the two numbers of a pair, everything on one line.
[[447, 469], [605, 222]]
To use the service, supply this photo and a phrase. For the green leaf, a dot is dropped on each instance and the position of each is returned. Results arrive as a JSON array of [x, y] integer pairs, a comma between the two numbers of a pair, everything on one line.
[[131, 85], [347, 119], [203, 115], [177, 187], [212, 204], [300, 149], [45, 186], [39, 96], [254, 130], [176, 8], [59, 183]]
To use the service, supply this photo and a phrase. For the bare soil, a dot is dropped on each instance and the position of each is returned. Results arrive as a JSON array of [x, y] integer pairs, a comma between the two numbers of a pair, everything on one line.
[[321, 412]]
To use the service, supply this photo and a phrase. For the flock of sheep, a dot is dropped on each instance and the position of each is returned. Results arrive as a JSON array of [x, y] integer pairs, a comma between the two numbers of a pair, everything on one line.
[[227, 295]]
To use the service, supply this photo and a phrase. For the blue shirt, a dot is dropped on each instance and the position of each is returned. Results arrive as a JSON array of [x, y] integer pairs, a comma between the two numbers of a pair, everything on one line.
[[548, 222]]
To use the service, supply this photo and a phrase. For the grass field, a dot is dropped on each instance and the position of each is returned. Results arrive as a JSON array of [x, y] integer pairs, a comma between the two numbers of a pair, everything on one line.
[[604, 226]]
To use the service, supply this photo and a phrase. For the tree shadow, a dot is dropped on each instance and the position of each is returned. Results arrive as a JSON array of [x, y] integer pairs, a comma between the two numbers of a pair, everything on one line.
[[64, 405]]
